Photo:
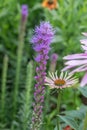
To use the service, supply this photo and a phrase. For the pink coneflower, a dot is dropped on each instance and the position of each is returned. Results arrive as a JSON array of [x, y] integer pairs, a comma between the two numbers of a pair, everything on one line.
[[78, 62], [63, 81], [59, 82]]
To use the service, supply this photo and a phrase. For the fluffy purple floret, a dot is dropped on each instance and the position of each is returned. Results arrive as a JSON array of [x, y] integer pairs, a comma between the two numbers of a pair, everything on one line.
[[43, 36]]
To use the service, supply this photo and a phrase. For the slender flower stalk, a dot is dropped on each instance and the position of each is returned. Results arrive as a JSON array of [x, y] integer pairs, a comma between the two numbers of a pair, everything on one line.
[[61, 82], [54, 58], [24, 15], [41, 44], [58, 109]]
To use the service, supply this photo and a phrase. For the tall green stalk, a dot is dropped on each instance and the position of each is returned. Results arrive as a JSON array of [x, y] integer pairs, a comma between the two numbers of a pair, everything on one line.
[[58, 109], [3, 86], [27, 103], [18, 66]]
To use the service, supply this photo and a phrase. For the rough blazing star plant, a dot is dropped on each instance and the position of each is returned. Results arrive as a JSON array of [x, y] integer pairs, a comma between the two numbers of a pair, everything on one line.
[[78, 62], [41, 44], [23, 21]]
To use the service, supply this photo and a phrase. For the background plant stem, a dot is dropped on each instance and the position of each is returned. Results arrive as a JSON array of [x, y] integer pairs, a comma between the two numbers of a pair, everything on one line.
[[3, 86], [27, 102], [18, 66], [18, 69]]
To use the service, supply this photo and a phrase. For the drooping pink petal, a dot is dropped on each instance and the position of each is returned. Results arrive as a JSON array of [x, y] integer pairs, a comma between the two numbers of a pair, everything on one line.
[[84, 80], [83, 69], [79, 69], [67, 67], [76, 62], [75, 56]]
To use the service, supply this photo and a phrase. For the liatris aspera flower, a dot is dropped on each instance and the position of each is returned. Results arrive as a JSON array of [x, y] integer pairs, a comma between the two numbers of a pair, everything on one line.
[[78, 62], [41, 44], [63, 81]]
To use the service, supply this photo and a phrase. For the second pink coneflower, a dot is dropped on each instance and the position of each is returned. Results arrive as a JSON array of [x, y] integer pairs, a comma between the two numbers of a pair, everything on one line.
[[78, 62]]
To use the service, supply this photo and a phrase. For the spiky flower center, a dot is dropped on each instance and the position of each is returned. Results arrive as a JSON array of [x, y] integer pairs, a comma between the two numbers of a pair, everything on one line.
[[59, 82]]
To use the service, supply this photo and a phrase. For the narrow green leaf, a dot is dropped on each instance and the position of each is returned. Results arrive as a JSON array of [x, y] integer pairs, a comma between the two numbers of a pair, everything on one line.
[[56, 128], [70, 121]]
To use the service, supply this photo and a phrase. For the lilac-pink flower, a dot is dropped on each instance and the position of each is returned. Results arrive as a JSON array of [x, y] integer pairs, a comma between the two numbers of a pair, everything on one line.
[[41, 44], [78, 62]]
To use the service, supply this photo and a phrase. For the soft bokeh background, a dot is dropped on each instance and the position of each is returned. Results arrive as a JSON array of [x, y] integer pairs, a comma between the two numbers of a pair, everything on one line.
[[69, 20]]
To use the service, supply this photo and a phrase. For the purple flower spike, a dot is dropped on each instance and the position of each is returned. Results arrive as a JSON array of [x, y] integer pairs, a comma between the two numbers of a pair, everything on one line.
[[41, 44], [24, 12]]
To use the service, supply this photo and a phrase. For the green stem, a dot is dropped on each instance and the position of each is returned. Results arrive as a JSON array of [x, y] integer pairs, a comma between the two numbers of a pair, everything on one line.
[[47, 102], [18, 67], [85, 123], [3, 87], [58, 109], [27, 102]]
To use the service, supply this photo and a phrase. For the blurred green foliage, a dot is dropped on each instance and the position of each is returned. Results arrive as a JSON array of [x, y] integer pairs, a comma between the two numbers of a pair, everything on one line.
[[69, 21]]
